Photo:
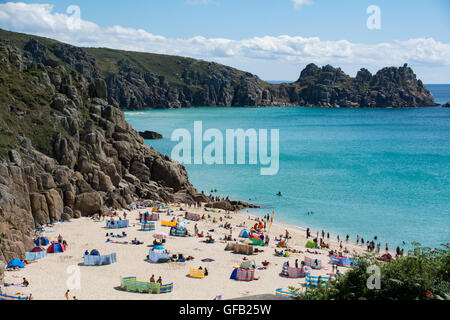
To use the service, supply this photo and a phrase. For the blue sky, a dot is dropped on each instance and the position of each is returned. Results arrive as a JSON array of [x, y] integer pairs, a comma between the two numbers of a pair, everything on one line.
[[240, 22]]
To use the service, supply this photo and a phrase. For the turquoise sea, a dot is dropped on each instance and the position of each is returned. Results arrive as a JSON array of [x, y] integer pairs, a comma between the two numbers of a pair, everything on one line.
[[366, 172]]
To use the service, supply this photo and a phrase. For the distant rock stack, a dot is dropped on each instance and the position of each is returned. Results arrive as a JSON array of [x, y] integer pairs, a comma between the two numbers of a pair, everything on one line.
[[446, 105], [150, 135]]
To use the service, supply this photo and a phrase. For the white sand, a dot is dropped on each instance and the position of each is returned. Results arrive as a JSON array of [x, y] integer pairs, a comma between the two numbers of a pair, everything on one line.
[[48, 277]]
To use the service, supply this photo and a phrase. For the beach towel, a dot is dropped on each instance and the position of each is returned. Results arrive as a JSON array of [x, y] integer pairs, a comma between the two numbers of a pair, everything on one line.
[[168, 223]]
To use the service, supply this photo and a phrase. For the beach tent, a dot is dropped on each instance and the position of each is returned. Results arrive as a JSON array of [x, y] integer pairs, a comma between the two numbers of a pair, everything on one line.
[[244, 233], [310, 244], [158, 247], [15, 263], [41, 241], [56, 247], [37, 249], [95, 252]]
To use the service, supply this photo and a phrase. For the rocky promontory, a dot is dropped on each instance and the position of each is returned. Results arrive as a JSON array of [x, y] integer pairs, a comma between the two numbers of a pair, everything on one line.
[[446, 105], [150, 135]]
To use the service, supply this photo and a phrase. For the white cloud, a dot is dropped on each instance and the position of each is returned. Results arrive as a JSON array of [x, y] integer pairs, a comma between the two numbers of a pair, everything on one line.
[[299, 3], [283, 50]]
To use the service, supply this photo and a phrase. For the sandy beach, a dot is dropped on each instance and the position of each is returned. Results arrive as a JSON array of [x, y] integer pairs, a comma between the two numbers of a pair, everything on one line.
[[48, 277]]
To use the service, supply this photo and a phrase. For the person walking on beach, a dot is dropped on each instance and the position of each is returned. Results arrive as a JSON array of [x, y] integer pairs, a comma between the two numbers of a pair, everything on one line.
[[296, 263], [307, 233], [67, 294], [328, 236], [387, 247], [357, 239], [346, 238]]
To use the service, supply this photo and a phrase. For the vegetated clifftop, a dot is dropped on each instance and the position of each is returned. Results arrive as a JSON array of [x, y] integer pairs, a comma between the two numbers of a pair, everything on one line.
[[144, 80]]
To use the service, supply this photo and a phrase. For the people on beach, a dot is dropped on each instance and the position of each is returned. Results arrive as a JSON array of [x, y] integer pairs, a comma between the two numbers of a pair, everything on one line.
[[67, 295]]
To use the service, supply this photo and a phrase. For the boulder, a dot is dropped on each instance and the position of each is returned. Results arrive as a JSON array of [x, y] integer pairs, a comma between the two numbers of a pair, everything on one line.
[[39, 208], [88, 203], [55, 205]]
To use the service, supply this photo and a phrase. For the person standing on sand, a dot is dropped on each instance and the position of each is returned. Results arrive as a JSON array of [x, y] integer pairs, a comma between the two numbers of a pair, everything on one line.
[[67, 294]]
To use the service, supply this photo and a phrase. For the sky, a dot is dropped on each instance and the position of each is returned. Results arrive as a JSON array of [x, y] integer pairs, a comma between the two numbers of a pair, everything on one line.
[[273, 39]]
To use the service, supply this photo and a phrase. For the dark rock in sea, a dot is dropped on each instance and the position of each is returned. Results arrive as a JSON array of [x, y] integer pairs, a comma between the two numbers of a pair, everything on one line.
[[446, 105], [150, 135]]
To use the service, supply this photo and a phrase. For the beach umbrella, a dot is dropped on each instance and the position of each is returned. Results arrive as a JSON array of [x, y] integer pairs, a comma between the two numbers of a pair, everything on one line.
[[160, 235]]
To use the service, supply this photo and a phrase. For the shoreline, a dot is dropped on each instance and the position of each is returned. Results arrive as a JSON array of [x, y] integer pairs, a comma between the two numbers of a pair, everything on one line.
[[48, 277]]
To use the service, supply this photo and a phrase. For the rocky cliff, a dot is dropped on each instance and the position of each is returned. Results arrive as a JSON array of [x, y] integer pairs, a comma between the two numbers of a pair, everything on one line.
[[144, 80], [65, 151]]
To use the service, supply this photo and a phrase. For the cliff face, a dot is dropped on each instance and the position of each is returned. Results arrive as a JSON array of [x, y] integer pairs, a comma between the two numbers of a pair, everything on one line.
[[144, 80], [64, 150], [135, 88]]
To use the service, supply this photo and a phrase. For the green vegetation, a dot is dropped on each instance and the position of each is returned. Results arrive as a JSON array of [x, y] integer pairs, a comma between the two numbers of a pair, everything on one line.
[[25, 108], [423, 274]]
